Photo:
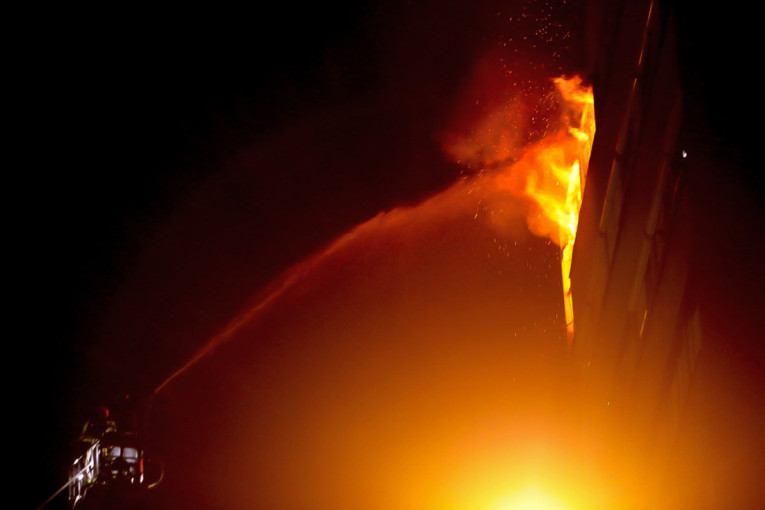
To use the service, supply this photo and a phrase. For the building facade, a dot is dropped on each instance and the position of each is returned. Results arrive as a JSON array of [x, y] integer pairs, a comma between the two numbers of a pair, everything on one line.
[[665, 268]]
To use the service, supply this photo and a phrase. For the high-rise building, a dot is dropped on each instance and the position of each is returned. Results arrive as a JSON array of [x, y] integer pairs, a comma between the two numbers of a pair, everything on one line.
[[667, 282]]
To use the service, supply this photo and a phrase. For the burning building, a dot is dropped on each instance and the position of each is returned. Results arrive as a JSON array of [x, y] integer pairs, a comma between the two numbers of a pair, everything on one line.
[[425, 358], [665, 281]]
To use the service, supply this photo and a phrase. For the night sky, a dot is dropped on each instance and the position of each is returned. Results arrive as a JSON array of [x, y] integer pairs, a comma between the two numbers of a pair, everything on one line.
[[173, 163]]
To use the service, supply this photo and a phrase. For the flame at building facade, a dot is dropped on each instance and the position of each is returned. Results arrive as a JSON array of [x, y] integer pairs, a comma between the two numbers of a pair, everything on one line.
[[558, 194], [546, 176]]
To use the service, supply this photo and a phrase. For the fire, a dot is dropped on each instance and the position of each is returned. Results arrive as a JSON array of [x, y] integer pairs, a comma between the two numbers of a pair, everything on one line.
[[548, 175], [555, 169]]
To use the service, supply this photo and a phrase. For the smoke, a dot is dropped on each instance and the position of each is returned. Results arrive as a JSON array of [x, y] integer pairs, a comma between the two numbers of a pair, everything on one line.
[[533, 142]]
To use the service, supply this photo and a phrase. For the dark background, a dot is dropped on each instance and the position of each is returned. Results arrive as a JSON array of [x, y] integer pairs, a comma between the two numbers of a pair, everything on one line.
[[168, 164]]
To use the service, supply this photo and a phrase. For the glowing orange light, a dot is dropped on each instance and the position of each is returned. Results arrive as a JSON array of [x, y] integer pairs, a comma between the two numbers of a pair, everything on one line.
[[531, 498]]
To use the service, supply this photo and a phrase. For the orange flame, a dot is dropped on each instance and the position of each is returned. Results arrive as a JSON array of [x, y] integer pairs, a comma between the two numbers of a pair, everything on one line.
[[547, 175], [557, 182]]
